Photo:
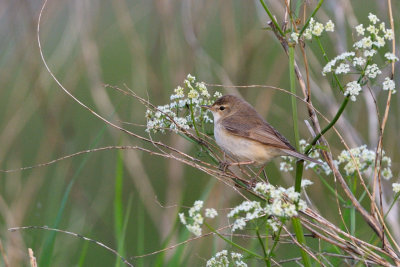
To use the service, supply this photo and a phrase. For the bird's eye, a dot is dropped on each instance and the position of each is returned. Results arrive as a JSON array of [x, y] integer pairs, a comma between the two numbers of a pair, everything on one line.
[[221, 108]]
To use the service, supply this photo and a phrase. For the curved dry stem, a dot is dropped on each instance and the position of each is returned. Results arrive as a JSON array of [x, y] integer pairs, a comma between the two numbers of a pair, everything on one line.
[[73, 234]]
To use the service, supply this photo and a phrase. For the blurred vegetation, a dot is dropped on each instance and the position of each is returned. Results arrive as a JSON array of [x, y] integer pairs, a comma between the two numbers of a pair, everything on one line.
[[150, 46]]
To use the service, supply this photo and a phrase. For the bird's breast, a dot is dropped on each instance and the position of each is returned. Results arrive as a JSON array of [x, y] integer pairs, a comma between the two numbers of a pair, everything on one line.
[[242, 148]]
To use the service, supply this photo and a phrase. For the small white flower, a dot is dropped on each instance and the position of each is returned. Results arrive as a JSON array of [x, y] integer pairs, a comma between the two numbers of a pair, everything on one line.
[[396, 187], [238, 224], [389, 84], [380, 42], [194, 229], [387, 174], [302, 205], [352, 89], [360, 29], [329, 26], [274, 226], [328, 67], [389, 34], [261, 188], [198, 219], [373, 18], [372, 71], [203, 89], [237, 258], [317, 29], [292, 195], [305, 183], [276, 208], [285, 166], [211, 213], [193, 94], [344, 55], [365, 42], [307, 34], [219, 260], [359, 61], [217, 95], [290, 210], [295, 37], [391, 57], [182, 218], [369, 53], [342, 68], [181, 122], [372, 29], [190, 78]]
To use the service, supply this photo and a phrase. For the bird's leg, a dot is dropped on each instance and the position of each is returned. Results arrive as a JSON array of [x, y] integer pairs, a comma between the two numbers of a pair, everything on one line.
[[254, 179], [265, 176], [225, 164], [242, 163]]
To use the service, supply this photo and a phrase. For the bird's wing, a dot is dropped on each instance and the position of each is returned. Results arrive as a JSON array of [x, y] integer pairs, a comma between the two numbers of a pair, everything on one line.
[[254, 128]]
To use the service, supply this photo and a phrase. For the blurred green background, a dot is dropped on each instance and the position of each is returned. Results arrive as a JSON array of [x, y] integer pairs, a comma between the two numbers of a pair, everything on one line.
[[129, 200]]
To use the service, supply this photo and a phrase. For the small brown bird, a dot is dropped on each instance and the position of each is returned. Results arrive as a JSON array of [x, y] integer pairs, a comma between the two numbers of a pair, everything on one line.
[[243, 134]]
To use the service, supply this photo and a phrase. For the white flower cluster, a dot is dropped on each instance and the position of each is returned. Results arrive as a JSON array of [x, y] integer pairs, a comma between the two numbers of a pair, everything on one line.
[[373, 37], [389, 84], [352, 89], [196, 217], [280, 202], [177, 114], [396, 187], [343, 67], [316, 28], [221, 259], [364, 159], [288, 162]]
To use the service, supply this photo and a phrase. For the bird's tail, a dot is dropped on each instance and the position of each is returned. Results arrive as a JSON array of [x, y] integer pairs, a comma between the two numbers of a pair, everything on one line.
[[298, 155]]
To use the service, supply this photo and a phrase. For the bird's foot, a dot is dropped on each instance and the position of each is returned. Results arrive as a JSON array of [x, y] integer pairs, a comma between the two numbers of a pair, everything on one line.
[[223, 165]]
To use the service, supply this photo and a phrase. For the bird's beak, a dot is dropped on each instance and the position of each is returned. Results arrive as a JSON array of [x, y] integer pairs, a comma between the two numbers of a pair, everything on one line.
[[206, 107]]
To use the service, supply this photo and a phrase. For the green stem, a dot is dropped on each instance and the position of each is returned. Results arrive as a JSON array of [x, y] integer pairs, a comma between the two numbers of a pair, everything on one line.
[[327, 60], [330, 125], [266, 258], [312, 15], [266, 241], [299, 165], [275, 241], [233, 243], [300, 238], [292, 77], [391, 206], [272, 17], [299, 175]]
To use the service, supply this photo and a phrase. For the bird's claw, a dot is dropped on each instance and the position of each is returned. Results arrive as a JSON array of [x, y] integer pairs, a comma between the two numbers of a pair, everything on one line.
[[223, 165]]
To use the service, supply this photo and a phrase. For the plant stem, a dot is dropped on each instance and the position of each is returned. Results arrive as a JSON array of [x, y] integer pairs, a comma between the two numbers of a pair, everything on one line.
[[298, 229], [266, 258], [327, 60], [391, 205], [330, 125], [276, 240], [299, 165], [272, 17], [292, 77], [233, 243], [312, 15]]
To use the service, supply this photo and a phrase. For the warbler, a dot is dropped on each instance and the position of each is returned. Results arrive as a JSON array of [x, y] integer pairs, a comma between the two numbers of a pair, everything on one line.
[[243, 134]]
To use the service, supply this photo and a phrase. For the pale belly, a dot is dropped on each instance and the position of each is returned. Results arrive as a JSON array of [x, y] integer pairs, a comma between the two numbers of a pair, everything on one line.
[[244, 149]]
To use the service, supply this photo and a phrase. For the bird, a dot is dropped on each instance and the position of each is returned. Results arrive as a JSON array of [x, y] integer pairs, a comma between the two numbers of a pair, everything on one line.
[[243, 134]]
